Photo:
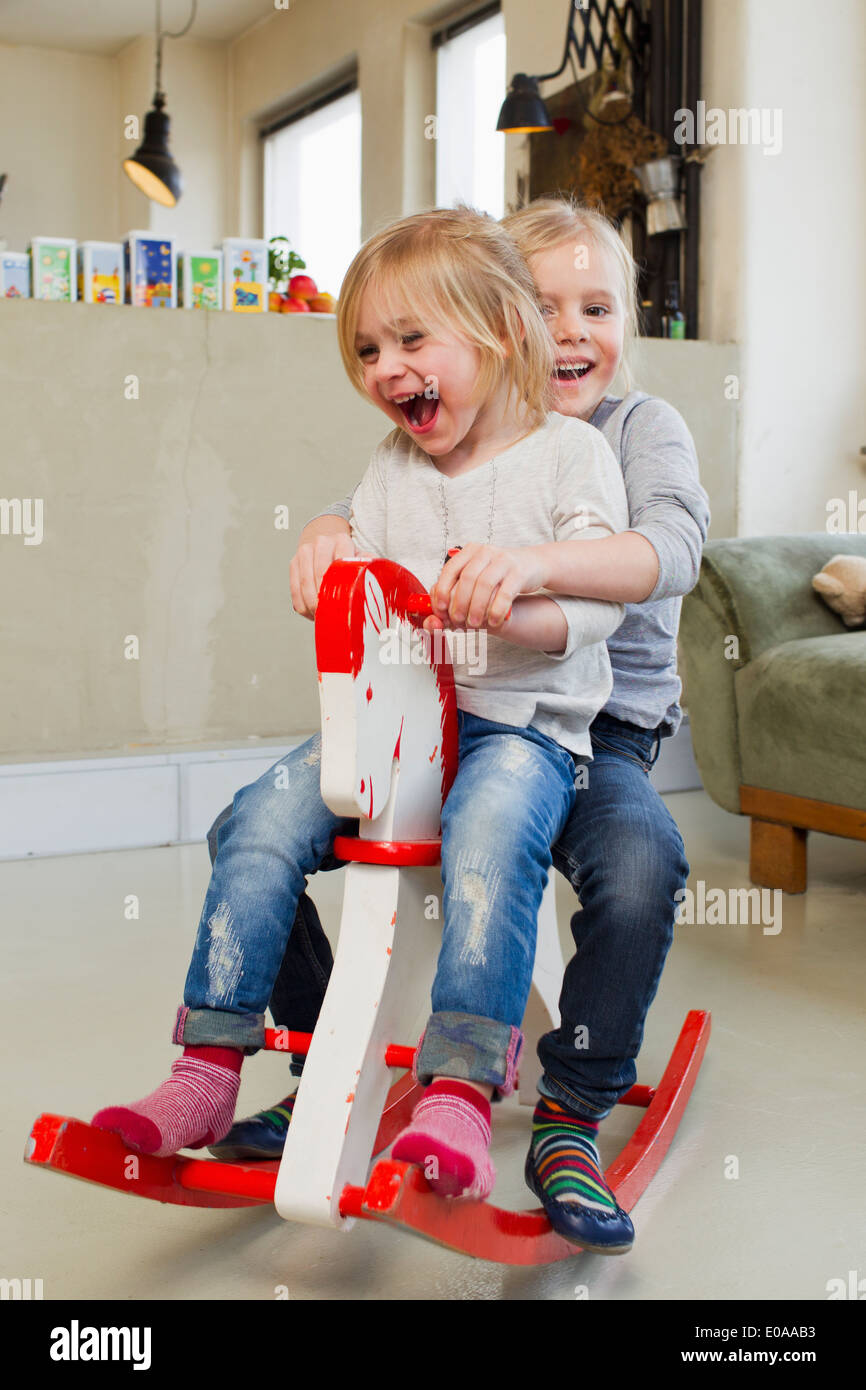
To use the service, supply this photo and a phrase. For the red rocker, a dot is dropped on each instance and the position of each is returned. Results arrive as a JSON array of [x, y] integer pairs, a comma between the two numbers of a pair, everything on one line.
[[389, 756]]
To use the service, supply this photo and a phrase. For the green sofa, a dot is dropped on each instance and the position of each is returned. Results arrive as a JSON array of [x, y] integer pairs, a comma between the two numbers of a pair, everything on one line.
[[776, 691]]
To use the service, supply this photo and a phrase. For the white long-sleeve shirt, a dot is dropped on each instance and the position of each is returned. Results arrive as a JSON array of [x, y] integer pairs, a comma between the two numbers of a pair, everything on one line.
[[560, 483]]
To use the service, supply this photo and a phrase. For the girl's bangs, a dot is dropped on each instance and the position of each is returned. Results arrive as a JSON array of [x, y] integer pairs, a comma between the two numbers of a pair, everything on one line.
[[411, 293]]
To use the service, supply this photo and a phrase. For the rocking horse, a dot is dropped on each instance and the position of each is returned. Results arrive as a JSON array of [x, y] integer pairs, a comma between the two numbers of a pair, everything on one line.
[[389, 756]]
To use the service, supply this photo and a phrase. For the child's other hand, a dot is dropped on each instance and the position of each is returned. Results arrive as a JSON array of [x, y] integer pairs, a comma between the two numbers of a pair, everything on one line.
[[479, 584], [308, 566]]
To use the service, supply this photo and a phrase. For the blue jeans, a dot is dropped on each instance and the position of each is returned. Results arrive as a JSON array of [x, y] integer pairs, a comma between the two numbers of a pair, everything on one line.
[[623, 855], [511, 797]]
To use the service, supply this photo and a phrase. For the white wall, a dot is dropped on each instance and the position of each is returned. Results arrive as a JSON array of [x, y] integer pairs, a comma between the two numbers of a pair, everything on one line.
[[58, 118], [803, 273], [63, 118]]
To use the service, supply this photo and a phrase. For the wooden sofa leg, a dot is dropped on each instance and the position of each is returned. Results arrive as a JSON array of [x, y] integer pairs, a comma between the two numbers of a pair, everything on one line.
[[778, 856]]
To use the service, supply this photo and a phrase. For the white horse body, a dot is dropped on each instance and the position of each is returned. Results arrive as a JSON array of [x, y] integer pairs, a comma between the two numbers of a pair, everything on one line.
[[389, 931]]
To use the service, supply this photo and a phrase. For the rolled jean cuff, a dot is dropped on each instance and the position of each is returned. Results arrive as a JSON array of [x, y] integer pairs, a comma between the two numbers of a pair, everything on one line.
[[218, 1028], [576, 1104], [469, 1048]]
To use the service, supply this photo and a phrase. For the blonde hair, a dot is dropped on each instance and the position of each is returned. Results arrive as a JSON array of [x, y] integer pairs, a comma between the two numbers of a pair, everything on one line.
[[548, 222], [456, 269]]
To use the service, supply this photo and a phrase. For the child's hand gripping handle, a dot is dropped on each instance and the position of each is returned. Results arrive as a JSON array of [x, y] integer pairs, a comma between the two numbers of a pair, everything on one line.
[[420, 606]]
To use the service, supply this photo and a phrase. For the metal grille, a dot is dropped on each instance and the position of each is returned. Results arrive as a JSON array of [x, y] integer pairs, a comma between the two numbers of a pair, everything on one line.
[[599, 29]]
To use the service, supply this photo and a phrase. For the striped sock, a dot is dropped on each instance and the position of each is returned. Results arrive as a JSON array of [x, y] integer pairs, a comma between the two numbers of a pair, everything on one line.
[[566, 1159], [280, 1115], [194, 1107], [449, 1138]]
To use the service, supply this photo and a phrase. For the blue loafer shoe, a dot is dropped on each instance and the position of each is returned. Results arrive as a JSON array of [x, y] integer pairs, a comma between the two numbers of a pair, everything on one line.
[[259, 1137], [602, 1232]]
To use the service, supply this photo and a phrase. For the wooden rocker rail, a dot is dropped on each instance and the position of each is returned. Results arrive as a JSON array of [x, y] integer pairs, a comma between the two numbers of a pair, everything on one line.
[[395, 1193]]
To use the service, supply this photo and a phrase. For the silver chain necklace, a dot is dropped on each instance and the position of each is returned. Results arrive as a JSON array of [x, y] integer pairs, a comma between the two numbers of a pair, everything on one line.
[[445, 510]]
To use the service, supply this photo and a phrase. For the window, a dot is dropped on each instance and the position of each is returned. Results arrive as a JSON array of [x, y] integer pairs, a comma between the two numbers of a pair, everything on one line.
[[312, 184], [470, 88]]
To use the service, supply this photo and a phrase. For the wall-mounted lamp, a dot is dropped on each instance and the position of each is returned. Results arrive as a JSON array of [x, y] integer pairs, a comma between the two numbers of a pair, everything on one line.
[[152, 168], [523, 109]]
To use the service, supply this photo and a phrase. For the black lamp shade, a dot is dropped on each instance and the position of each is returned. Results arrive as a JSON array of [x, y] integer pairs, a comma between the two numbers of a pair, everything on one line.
[[152, 168], [523, 109]]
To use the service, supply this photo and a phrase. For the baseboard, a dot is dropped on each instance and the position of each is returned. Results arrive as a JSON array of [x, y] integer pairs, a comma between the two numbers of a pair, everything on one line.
[[137, 801], [83, 805]]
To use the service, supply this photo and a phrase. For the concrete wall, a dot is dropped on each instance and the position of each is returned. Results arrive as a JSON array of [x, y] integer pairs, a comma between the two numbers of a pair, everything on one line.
[[159, 521], [159, 514]]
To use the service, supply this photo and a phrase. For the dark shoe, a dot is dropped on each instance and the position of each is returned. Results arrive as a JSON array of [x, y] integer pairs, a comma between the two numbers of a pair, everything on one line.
[[259, 1137], [603, 1233]]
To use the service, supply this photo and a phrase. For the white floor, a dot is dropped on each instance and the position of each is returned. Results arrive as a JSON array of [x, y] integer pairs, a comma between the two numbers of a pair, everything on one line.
[[89, 999]]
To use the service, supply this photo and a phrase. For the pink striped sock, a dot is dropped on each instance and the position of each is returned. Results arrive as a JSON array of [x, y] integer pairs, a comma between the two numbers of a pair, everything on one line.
[[449, 1138], [194, 1107]]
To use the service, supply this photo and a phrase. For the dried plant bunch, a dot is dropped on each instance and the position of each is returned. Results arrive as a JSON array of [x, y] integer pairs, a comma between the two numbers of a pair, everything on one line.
[[608, 154]]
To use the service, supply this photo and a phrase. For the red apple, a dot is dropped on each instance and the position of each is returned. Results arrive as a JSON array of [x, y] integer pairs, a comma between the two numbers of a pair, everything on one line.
[[293, 305], [303, 287]]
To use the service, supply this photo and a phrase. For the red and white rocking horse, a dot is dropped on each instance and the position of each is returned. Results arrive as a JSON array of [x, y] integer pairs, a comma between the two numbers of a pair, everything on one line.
[[389, 756]]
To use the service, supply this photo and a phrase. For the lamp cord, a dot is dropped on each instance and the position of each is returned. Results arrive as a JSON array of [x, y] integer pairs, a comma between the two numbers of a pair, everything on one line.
[[166, 34]]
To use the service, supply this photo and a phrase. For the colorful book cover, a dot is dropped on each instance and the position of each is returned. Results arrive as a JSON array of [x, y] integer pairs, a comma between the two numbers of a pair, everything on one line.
[[150, 272], [203, 289], [15, 278], [246, 272], [52, 271], [106, 280]]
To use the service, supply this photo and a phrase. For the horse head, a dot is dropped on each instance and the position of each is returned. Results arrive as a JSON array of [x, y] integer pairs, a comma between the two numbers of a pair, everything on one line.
[[389, 717]]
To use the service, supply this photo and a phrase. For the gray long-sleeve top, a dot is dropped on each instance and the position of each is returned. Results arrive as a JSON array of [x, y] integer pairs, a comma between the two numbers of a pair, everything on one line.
[[668, 506]]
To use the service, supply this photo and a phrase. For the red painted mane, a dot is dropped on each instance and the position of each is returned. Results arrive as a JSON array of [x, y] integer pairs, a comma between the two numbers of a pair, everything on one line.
[[340, 626]]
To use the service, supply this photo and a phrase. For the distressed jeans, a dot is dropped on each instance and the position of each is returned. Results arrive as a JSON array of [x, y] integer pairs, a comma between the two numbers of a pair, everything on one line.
[[511, 797], [623, 855]]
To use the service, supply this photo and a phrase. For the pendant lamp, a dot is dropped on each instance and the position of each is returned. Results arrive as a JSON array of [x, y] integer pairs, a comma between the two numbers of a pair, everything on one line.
[[152, 168]]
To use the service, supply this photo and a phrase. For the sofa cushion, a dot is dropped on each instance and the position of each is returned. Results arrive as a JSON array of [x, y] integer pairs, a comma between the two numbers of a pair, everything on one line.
[[801, 711]]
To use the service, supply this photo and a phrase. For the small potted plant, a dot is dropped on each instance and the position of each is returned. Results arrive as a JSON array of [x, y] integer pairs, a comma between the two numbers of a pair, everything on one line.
[[282, 262]]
